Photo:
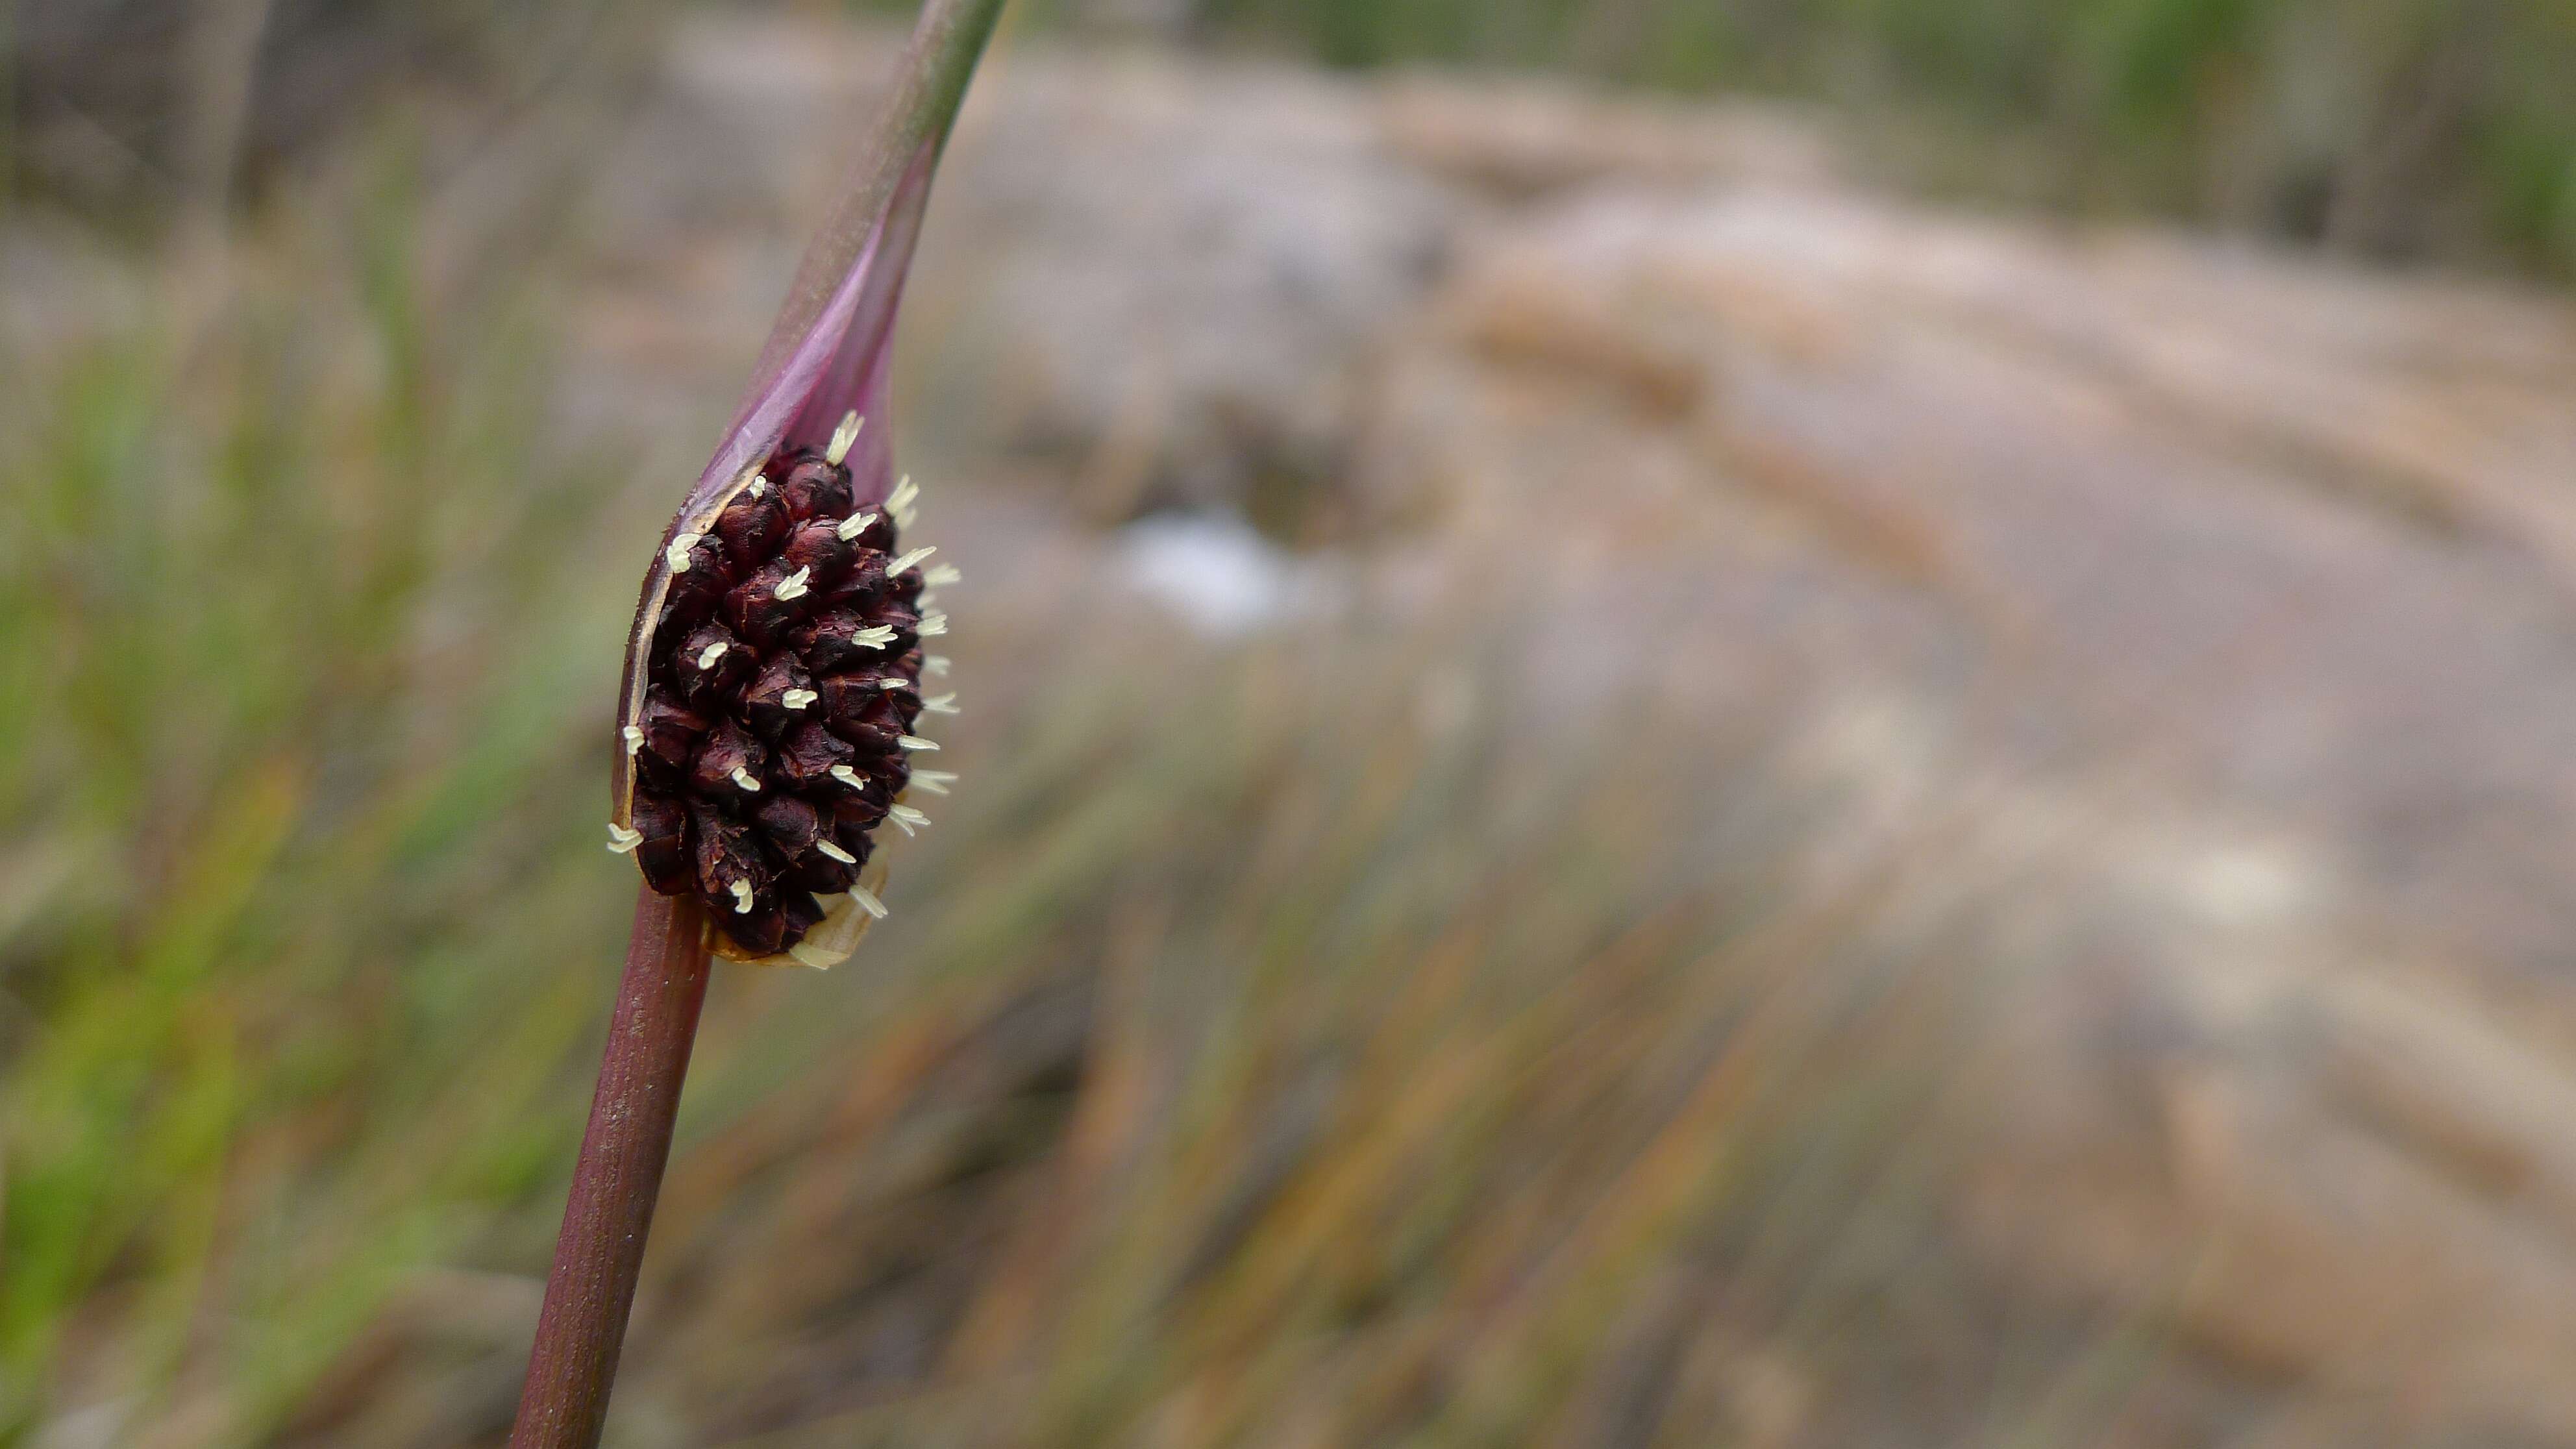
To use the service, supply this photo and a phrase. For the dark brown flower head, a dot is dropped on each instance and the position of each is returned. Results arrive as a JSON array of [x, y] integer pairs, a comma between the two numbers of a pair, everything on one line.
[[777, 721], [772, 696]]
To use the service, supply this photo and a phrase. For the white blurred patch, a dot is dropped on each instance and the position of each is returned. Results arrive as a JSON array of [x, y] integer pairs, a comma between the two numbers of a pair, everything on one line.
[[1216, 574]]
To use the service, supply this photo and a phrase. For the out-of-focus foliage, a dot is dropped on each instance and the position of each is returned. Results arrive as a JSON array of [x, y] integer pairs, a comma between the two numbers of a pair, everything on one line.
[[2388, 127], [135, 107], [2392, 128]]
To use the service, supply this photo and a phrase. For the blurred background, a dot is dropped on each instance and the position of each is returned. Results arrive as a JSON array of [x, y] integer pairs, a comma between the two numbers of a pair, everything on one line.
[[1687, 722]]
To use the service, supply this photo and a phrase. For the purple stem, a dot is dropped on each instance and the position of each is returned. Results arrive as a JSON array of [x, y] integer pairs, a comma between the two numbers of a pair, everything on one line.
[[583, 1323]]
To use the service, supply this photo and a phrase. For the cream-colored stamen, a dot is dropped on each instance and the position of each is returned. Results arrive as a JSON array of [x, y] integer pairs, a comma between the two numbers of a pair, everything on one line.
[[932, 625], [633, 737], [849, 777], [910, 819], [899, 502], [854, 525], [797, 698], [935, 664], [842, 437], [677, 555], [836, 852], [875, 636], [708, 656], [794, 586], [868, 901], [759, 485], [908, 559], [741, 897], [942, 576], [915, 742], [742, 780], [941, 704], [934, 781], [621, 840]]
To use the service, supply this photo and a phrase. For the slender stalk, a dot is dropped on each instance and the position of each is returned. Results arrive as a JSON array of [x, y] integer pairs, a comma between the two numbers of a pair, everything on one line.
[[583, 1323]]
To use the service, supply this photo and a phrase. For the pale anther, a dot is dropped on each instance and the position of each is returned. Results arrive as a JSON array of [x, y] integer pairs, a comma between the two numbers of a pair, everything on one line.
[[934, 664], [908, 559], [797, 698], [868, 901], [743, 780], [934, 781], [633, 737], [932, 624], [741, 897], [793, 586], [941, 704], [915, 742], [849, 777], [942, 576], [835, 852], [708, 656], [621, 839], [910, 819], [677, 555], [842, 437]]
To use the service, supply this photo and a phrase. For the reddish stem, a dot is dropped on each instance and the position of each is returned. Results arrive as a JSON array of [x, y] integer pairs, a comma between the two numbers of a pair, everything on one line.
[[583, 1322]]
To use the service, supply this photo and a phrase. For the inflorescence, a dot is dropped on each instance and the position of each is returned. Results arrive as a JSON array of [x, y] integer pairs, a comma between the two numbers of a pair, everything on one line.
[[783, 698]]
